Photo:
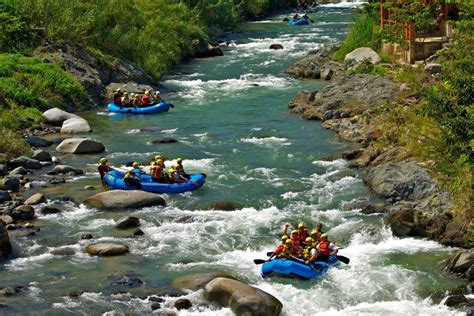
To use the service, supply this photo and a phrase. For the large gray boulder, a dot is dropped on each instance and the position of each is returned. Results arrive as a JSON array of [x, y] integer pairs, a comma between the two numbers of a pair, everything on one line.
[[359, 55], [5, 245], [121, 199], [62, 169], [407, 181], [107, 249], [461, 261], [25, 162], [197, 281], [10, 184], [80, 146], [57, 116], [41, 155], [36, 198], [203, 49], [23, 212], [242, 298], [75, 125]]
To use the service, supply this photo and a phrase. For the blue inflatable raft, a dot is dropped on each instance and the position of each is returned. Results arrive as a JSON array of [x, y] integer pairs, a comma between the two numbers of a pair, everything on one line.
[[114, 179], [294, 269], [300, 21], [153, 109]]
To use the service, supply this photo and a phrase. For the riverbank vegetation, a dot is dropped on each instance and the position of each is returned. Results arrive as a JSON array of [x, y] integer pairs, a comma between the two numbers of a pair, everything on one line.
[[154, 34], [434, 120]]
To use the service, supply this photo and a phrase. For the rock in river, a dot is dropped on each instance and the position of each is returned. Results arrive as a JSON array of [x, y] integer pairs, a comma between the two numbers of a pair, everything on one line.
[[35, 141], [41, 155], [61, 169], [5, 246], [10, 184], [242, 298], [36, 198], [75, 125], [25, 162], [128, 222], [107, 249], [23, 212], [121, 199], [197, 281], [276, 46], [80, 146], [57, 116], [5, 196]]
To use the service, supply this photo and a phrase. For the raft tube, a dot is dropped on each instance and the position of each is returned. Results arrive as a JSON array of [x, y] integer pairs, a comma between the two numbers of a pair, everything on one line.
[[114, 179], [294, 269], [153, 109], [300, 21]]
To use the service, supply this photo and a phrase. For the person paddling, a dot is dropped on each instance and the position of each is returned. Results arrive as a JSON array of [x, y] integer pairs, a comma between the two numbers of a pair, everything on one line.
[[180, 168], [146, 99], [117, 98], [156, 171], [131, 179], [174, 176], [279, 248], [325, 248], [104, 167]]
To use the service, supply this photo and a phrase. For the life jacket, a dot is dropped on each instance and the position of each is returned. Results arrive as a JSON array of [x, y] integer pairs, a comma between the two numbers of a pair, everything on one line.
[[156, 171], [286, 252], [171, 171], [303, 235], [296, 241], [146, 100], [103, 170], [307, 252], [323, 248]]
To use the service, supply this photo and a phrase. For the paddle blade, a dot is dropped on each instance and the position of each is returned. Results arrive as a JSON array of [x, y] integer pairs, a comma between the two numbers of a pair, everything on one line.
[[343, 259], [269, 253], [172, 105], [258, 261]]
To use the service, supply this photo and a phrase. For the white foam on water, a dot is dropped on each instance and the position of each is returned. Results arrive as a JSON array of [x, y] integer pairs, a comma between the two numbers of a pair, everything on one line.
[[132, 131], [344, 4], [289, 195], [266, 141], [195, 165], [170, 131], [31, 262], [339, 163]]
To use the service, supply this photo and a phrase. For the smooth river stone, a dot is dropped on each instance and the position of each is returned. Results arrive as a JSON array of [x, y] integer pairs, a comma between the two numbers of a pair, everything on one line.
[[124, 199], [107, 249]]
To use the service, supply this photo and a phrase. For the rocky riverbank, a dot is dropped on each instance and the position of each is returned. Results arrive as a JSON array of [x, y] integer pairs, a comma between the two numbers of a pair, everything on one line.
[[414, 203]]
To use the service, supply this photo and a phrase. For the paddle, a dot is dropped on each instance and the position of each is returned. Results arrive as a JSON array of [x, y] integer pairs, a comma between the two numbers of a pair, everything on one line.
[[259, 261], [343, 259]]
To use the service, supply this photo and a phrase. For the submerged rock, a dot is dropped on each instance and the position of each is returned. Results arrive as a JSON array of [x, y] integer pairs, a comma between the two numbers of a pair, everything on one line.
[[276, 46], [48, 209], [57, 116], [183, 303], [128, 222], [165, 140], [122, 199], [222, 206], [107, 249], [242, 298], [80, 146]]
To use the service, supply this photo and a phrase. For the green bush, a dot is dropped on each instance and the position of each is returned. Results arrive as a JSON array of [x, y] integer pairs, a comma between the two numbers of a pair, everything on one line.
[[365, 33], [12, 144]]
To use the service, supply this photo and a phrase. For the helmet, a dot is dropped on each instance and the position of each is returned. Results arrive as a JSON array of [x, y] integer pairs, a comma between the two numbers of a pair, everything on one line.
[[158, 157], [294, 232], [135, 164], [118, 90], [309, 239], [147, 92], [102, 160], [131, 170], [314, 231], [324, 236], [159, 161], [301, 225], [284, 237], [157, 92], [179, 160], [288, 241], [175, 166], [132, 94], [125, 93]]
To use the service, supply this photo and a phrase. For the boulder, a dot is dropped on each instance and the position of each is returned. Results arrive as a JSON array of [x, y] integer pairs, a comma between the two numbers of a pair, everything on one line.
[[242, 298], [203, 49], [128, 222], [107, 249], [57, 116], [80, 146], [455, 300], [48, 209], [36, 198], [5, 245], [327, 73], [7, 219], [25, 162], [41, 155], [138, 232], [3, 170], [197, 281], [433, 68], [407, 181], [23, 212], [121, 199], [183, 303], [75, 125], [35, 141], [276, 46], [5, 196], [461, 261], [10, 184], [164, 140], [359, 55], [64, 169], [18, 171]]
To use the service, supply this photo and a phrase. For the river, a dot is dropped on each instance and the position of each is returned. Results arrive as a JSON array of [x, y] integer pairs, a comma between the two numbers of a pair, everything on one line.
[[232, 122]]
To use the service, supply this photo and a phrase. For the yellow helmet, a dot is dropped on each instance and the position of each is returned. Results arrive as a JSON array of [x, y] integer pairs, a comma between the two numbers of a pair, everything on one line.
[[309, 239], [179, 160], [135, 164], [131, 170], [159, 161], [147, 92], [103, 160], [158, 157], [175, 166], [314, 231], [288, 241], [324, 235], [294, 232], [284, 237], [301, 225]]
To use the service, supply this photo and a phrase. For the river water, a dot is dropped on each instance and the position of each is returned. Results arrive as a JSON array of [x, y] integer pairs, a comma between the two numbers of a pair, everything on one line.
[[232, 123]]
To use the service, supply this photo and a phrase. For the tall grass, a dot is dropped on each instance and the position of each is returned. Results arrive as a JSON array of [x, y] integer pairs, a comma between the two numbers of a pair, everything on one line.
[[364, 33]]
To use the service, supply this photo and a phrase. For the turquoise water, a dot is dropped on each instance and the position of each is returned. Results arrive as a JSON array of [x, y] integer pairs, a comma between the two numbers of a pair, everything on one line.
[[232, 122]]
